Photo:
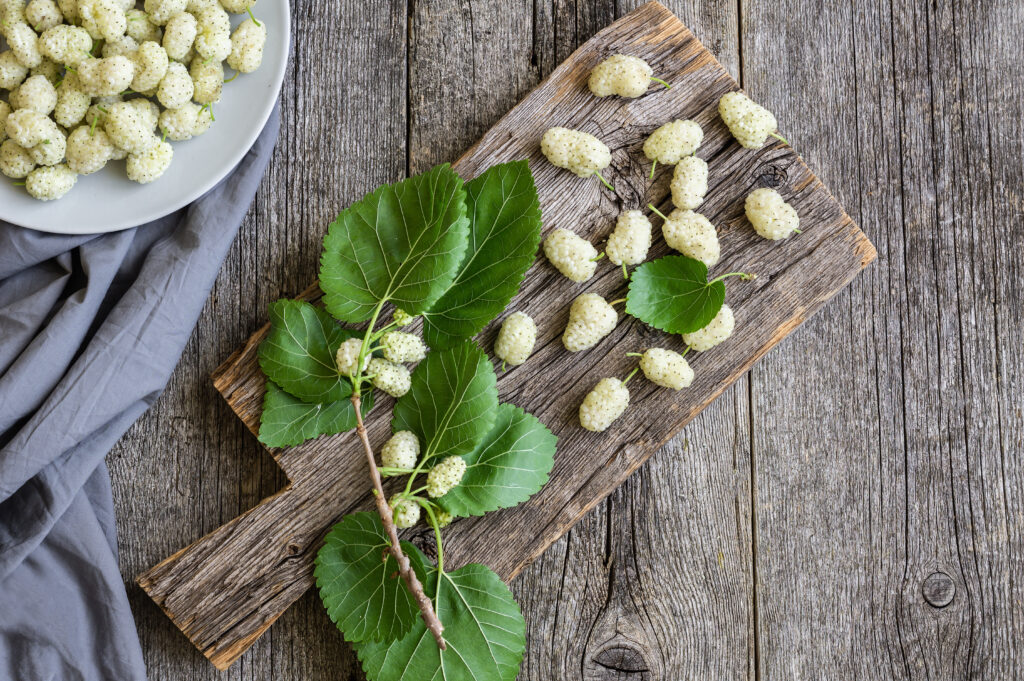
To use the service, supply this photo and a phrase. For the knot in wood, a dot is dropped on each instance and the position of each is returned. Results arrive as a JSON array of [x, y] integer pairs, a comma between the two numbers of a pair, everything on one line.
[[771, 176], [938, 589], [623, 661]]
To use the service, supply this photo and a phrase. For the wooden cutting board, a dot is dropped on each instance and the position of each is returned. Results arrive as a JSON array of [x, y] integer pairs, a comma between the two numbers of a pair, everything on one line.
[[227, 588]]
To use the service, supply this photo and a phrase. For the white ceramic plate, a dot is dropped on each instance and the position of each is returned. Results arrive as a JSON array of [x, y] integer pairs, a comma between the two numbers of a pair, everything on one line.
[[108, 201]]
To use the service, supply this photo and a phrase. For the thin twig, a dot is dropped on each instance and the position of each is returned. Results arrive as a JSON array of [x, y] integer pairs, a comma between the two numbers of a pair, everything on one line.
[[387, 517]]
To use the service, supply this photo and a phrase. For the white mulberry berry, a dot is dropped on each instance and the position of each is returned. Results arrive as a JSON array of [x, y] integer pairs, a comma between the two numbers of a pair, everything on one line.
[[185, 123], [106, 77], [43, 14], [161, 11], [666, 368], [38, 94], [64, 44], [103, 19], [445, 475], [88, 150], [629, 242], [402, 450], [443, 518], [150, 165], [348, 354], [15, 160], [602, 405], [574, 150], [237, 6], [180, 35], [399, 346], [29, 128], [72, 103], [247, 46], [207, 80], [129, 128], [401, 317], [693, 235], [122, 46], [51, 150], [50, 70], [620, 75], [749, 122], [714, 333], [673, 142], [394, 379], [140, 28], [176, 88], [770, 215], [573, 256], [5, 111], [151, 64], [689, 183], [213, 40], [50, 183], [591, 318], [12, 72], [406, 511], [516, 339], [24, 42]]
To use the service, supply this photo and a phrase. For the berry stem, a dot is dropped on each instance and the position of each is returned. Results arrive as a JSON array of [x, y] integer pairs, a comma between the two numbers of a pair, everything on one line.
[[254, 19], [395, 548], [387, 472], [779, 137], [427, 506], [685, 351], [18, 184], [625, 272], [744, 275], [798, 231], [631, 375], [616, 302], [634, 354], [606, 183], [654, 165], [232, 77], [656, 211], [659, 80], [599, 256], [504, 363]]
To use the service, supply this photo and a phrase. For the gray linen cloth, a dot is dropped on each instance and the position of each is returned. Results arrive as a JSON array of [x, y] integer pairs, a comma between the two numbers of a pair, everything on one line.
[[91, 328]]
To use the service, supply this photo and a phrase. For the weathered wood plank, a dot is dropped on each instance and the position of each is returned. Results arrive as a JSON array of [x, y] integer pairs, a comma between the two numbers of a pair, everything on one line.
[[891, 531], [226, 589]]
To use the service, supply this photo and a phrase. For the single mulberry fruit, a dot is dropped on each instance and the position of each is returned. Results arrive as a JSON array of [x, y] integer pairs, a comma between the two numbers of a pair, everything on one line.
[[666, 368], [572, 255], [445, 475], [749, 122], [401, 451], [604, 404], [622, 75], [516, 339], [347, 356], [629, 242], [693, 235], [770, 215], [714, 333], [591, 318], [576, 151], [401, 317], [673, 142], [394, 379], [399, 346], [406, 511], [689, 183]]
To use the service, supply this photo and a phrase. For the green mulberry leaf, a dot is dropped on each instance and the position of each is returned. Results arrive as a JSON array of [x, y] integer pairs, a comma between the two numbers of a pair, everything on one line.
[[483, 627], [298, 354], [504, 233], [364, 595], [402, 243], [509, 466], [673, 294], [287, 421], [452, 401]]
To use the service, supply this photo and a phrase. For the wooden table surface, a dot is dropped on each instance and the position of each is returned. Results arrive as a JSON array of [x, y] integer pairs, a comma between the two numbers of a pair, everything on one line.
[[850, 510]]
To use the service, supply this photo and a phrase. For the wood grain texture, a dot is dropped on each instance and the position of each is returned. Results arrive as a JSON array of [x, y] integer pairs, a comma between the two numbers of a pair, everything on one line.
[[226, 589], [853, 85]]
